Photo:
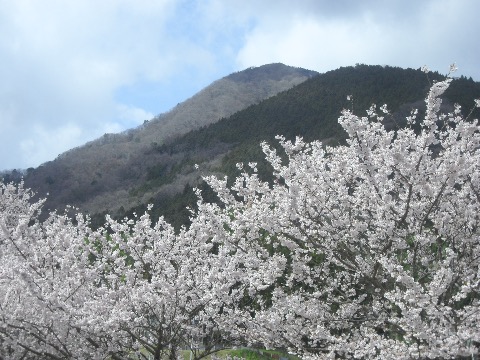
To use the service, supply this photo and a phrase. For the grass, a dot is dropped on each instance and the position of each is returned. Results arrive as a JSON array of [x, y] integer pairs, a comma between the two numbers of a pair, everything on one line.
[[248, 354]]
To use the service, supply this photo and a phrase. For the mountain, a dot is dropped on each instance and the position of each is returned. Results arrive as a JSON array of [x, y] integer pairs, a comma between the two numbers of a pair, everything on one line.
[[120, 174], [99, 175]]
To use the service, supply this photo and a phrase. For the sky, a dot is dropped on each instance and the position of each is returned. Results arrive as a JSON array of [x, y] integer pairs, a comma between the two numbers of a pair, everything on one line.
[[72, 70]]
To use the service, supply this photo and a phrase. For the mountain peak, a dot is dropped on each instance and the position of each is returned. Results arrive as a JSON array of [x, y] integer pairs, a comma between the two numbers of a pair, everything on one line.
[[98, 174], [274, 71]]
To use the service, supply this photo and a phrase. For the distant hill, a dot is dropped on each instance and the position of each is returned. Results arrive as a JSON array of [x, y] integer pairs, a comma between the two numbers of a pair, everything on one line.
[[99, 175], [120, 174], [310, 110]]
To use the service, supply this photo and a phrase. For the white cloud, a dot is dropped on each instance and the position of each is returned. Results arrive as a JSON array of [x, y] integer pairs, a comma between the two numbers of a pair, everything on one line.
[[64, 62], [132, 115], [307, 43], [74, 70], [32, 145], [403, 33]]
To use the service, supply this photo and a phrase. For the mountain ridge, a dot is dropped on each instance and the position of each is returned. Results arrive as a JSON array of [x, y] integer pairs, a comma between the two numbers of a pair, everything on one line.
[[79, 174], [310, 110]]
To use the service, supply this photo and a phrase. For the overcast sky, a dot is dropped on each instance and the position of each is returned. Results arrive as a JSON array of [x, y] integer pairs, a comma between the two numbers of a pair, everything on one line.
[[74, 70]]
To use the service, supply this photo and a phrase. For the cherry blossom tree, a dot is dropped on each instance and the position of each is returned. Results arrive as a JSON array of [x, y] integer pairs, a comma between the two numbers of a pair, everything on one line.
[[369, 250], [43, 281], [132, 289], [160, 291], [379, 239]]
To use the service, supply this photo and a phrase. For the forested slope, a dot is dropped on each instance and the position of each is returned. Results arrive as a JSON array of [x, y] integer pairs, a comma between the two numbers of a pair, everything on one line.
[[309, 110]]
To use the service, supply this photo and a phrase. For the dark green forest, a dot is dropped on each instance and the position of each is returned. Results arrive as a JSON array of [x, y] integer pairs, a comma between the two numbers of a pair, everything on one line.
[[309, 110]]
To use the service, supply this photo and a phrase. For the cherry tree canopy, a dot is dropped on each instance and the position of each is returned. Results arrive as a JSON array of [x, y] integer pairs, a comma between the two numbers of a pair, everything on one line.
[[380, 238], [368, 250]]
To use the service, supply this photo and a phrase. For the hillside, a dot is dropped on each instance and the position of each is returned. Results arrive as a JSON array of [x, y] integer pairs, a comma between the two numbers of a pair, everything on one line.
[[163, 173], [310, 110], [99, 174]]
